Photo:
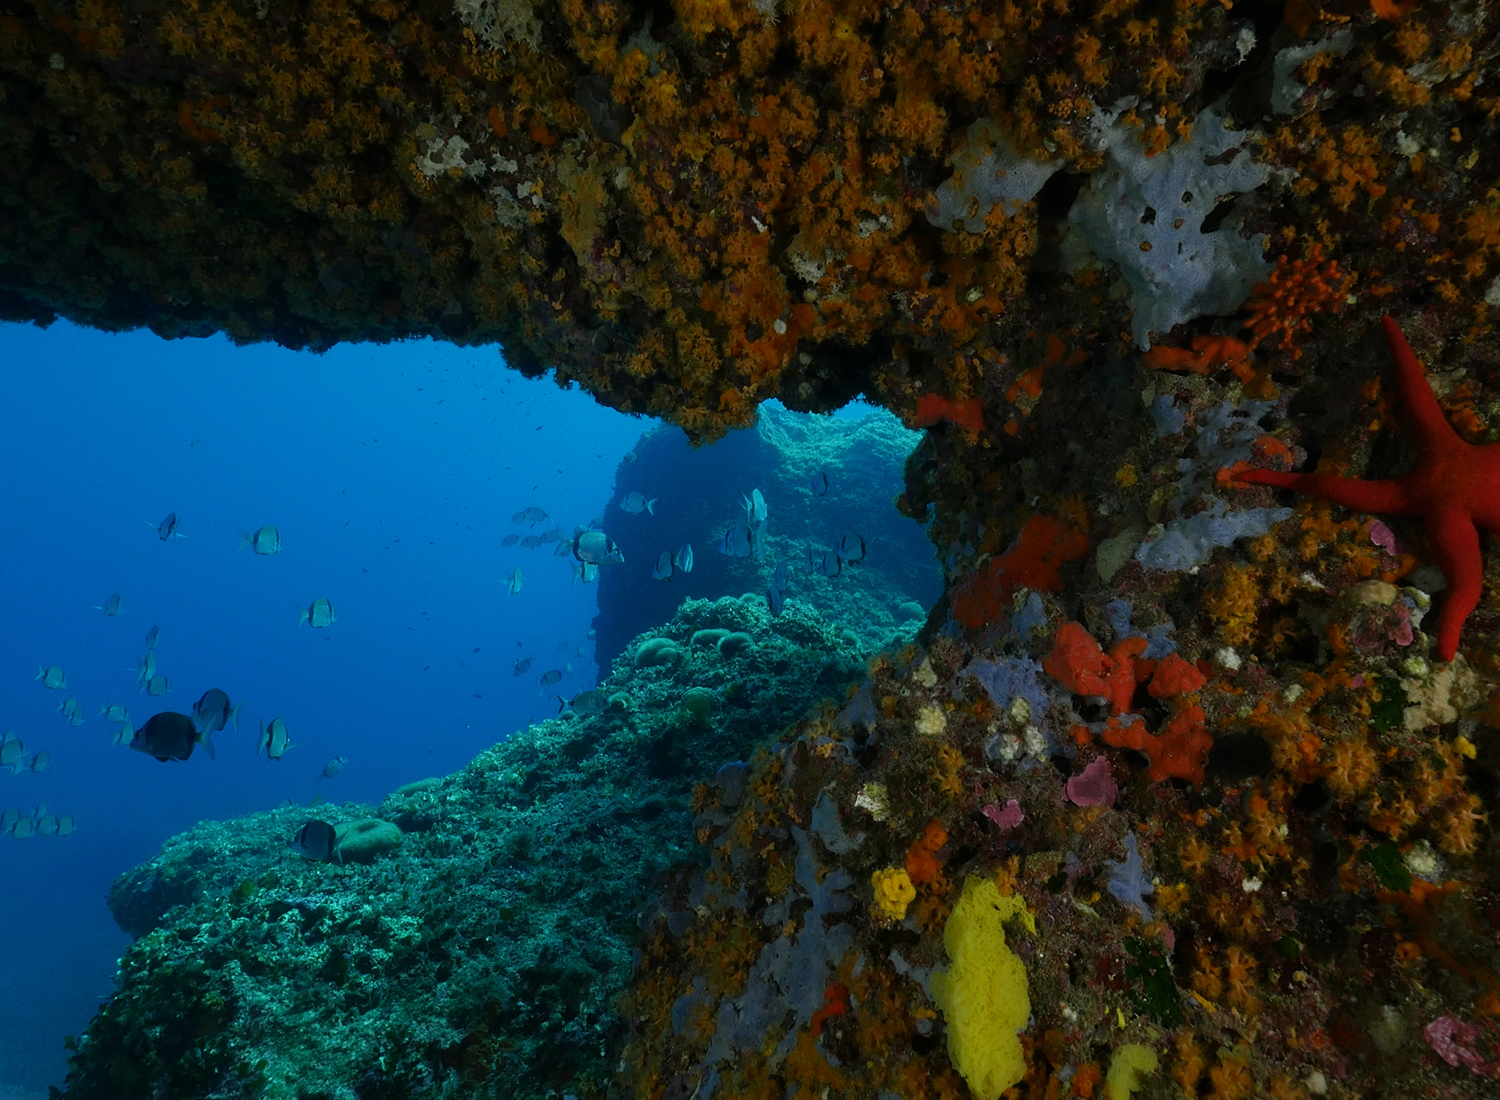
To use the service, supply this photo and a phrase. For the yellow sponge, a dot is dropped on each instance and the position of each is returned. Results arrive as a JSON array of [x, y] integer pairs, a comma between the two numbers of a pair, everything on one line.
[[983, 995], [1125, 1068]]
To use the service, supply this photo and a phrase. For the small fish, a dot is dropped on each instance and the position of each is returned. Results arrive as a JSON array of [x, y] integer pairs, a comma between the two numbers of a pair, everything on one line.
[[145, 668], [683, 559], [630, 456], [513, 581], [317, 841], [755, 506], [8, 819], [580, 652], [827, 563], [111, 606], [213, 712], [736, 540], [552, 534], [550, 677], [265, 541], [51, 677], [24, 829], [158, 685], [563, 548], [775, 600], [522, 664], [664, 568], [757, 537], [333, 767], [635, 503], [151, 636], [125, 734], [12, 752], [169, 736], [850, 548], [519, 517], [510, 539], [39, 761], [596, 548], [820, 483], [585, 572], [72, 711], [319, 614], [531, 542], [585, 702], [167, 528], [780, 579], [535, 514], [114, 712], [65, 825], [274, 740]]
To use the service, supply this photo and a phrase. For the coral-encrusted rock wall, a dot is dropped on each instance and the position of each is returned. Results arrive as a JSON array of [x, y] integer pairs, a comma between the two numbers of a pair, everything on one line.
[[691, 206]]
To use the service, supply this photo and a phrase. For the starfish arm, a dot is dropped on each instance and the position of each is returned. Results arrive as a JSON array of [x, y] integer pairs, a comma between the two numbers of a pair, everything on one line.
[[1389, 497], [1455, 545], [1429, 426]]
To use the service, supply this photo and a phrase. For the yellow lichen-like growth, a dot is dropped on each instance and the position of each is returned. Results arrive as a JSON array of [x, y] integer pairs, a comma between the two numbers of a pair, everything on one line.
[[893, 892]]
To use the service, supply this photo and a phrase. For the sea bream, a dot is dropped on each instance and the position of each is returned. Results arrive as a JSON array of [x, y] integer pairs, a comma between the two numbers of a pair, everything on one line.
[[265, 541], [584, 703], [167, 528], [513, 582], [213, 711], [170, 736], [755, 506], [510, 539], [317, 841], [585, 572], [51, 677], [522, 664], [635, 503], [664, 567], [319, 614], [332, 768], [683, 559], [736, 540], [820, 483], [111, 606], [274, 740], [596, 548]]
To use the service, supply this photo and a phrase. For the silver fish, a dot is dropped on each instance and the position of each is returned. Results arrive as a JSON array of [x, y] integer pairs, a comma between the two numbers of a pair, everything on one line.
[[167, 528], [683, 559], [534, 514], [513, 581], [510, 539], [333, 767], [51, 677], [596, 548], [111, 606], [125, 734], [114, 712], [585, 702], [317, 841], [319, 614], [552, 534], [531, 542], [663, 570], [46, 825], [736, 540], [8, 819], [775, 600], [630, 456], [274, 740], [757, 537], [39, 761], [72, 711], [779, 579], [12, 752], [820, 483], [551, 676], [24, 829], [158, 685], [635, 503], [825, 563], [151, 636], [755, 506], [65, 825], [265, 541], [585, 572], [851, 548], [519, 517], [145, 668], [522, 664]]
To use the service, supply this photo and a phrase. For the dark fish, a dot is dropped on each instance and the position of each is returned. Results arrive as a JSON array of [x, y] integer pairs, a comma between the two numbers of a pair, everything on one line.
[[169, 736], [531, 542], [111, 606], [510, 540], [596, 548], [683, 559], [757, 537], [317, 841], [519, 517], [775, 600], [779, 579], [663, 570], [333, 767], [522, 664], [151, 636], [552, 534], [827, 563], [213, 712], [535, 514], [820, 483], [736, 540], [851, 548], [630, 456], [550, 677], [167, 527]]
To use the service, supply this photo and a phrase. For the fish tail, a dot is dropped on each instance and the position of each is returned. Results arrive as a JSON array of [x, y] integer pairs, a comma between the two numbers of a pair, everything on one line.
[[651, 506]]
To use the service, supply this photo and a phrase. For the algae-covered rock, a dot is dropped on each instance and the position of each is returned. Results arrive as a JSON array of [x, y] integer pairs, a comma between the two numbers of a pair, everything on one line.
[[361, 841], [733, 645], [699, 703], [708, 637], [483, 958], [657, 651]]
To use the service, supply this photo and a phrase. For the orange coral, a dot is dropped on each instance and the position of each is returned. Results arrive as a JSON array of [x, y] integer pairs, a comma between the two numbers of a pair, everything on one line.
[[967, 413], [1080, 665], [923, 865], [1283, 305], [1035, 561], [1208, 353]]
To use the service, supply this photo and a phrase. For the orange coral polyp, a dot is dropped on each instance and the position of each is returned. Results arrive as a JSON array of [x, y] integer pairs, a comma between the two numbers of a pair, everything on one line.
[[1035, 561]]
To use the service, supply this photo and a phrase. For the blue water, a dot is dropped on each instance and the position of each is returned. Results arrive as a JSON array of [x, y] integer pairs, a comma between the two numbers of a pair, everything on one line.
[[392, 474]]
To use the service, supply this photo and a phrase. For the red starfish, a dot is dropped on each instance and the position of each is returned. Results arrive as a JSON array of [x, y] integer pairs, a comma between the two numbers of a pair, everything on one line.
[[1455, 489]]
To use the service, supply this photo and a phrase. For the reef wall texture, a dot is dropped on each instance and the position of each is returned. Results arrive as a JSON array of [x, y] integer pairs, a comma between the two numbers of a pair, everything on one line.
[[881, 599], [1110, 253]]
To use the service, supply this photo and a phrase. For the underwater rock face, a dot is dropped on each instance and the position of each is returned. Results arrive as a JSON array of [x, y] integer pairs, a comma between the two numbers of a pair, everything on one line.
[[698, 494], [479, 954]]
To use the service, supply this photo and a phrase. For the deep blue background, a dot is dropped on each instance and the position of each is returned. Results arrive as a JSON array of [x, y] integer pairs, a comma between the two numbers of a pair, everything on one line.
[[392, 473]]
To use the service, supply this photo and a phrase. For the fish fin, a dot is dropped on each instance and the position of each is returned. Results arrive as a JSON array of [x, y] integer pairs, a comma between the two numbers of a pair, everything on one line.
[[651, 506], [208, 746]]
